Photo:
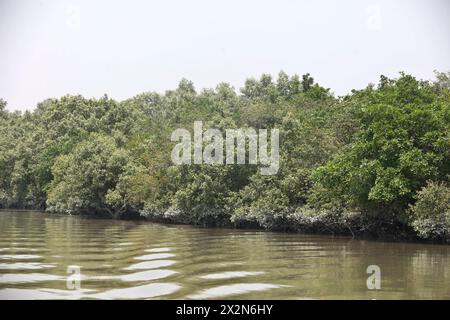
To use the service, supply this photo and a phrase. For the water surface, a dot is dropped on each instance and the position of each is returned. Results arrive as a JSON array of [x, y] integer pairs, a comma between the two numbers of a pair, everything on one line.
[[143, 260]]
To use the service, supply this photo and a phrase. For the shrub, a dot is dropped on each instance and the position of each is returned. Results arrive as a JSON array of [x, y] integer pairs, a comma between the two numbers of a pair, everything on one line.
[[431, 212]]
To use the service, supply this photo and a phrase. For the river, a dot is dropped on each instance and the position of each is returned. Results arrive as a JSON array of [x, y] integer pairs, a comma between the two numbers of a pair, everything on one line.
[[44, 256]]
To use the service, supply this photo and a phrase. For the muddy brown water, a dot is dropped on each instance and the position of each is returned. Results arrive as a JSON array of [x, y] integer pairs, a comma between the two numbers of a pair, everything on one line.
[[41, 254]]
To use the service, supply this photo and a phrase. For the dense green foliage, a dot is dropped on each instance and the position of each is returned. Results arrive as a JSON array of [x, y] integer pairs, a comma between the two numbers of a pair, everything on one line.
[[375, 161], [431, 212]]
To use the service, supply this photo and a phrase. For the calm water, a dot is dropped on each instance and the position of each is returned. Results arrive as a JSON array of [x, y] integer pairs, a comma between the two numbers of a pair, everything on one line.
[[142, 260]]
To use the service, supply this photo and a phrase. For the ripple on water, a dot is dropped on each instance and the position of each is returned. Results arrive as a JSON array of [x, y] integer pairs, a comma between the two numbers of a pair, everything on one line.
[[25, 266], [147, 275], [42, 294], [234, 289], [14, 278], [231, 274], [20, 249], [155, 256], [125, 244], [153, 264], [138, 276], [19, 256], [165, 249], [146, 291]]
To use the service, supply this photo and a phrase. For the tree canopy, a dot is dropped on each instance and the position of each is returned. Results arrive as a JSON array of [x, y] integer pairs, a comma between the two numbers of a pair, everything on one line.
[[367, 162]]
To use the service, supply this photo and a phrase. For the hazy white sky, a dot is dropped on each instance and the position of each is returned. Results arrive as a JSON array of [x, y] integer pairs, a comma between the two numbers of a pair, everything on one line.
[[122, 48]]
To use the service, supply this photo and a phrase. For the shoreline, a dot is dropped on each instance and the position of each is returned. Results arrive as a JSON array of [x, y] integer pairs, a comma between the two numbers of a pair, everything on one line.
[[294, 229]]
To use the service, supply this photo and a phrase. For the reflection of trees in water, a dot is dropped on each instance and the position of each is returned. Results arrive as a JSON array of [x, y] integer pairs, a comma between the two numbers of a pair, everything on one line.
[[428, 268]]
